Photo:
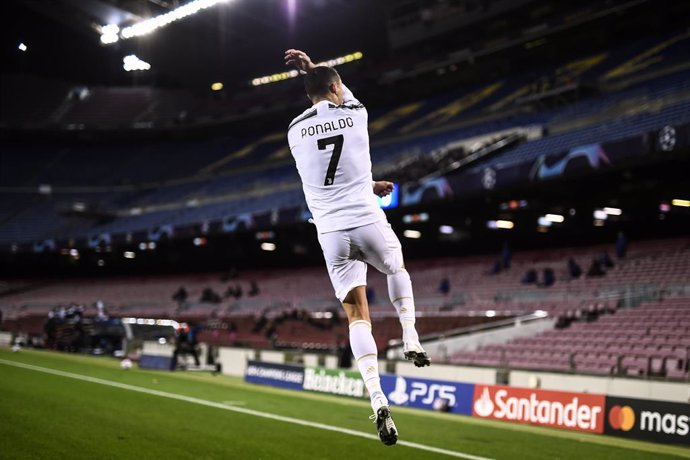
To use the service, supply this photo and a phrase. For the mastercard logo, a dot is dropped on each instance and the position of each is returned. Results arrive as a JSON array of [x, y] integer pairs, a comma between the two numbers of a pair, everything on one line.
[[622, 418]]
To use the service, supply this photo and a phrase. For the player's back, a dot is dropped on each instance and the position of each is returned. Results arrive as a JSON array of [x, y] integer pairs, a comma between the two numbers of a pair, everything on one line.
[[330, 144]]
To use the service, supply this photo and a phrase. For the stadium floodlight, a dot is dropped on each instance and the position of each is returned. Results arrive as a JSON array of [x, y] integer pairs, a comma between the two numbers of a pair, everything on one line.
[[412, 234], [681, 203], [268, 247], [613, 211], [22, 47], [150, 25], [600, 214], [502, 224], [131, 62], [415, 218], [555, 218], [109, 34], [276, 77], [544, 222]]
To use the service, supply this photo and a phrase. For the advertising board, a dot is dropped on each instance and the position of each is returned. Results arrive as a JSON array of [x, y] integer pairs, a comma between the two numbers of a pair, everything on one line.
[[660, 421], [558, 409], [277, 375]]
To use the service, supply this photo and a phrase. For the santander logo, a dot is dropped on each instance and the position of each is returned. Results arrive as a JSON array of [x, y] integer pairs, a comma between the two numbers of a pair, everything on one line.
[[484, 406], [573, 411]]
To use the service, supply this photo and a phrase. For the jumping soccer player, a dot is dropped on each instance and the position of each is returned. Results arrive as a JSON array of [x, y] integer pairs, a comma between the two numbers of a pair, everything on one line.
[[330, 144]]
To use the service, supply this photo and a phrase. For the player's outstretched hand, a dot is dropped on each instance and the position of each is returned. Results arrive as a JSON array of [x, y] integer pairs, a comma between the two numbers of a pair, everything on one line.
[[383, 188], [299, 59]]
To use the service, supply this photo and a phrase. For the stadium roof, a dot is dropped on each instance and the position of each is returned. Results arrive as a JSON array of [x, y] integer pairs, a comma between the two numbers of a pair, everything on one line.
[[232, 42]]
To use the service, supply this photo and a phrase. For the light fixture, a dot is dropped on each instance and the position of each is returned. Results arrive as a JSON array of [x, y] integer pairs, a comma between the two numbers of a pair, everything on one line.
[[681, 203], [129, 254], [268, 246], [502, 224], [132, 62], [613, 211], [600, 214], [22, 47], [112, 33], [276, 77], [544, 222], [413, 234], [555, 218], [413, 218], [446, 229], [217, 86], [109, 34]]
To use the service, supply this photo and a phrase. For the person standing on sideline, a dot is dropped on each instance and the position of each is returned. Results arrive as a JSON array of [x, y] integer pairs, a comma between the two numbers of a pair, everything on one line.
[[330, 144]]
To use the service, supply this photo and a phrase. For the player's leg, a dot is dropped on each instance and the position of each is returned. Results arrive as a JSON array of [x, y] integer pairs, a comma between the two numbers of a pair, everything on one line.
[[363, 344], [366, 355], [349, 280], [382, 249]]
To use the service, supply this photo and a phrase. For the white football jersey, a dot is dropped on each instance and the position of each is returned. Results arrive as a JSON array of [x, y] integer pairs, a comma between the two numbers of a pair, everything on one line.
[[330, 144]]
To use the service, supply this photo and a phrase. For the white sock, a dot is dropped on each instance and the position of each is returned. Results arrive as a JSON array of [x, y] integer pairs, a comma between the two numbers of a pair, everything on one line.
[[366, 354], [402, 298]]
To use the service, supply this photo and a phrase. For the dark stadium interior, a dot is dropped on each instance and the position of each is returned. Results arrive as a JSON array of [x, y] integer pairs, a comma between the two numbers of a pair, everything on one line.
[[551, 128]]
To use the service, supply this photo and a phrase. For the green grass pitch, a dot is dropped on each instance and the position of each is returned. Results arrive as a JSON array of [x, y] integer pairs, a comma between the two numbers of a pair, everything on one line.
[[161, 415]]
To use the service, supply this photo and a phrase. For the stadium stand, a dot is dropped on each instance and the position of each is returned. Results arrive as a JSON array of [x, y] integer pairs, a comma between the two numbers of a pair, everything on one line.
[[638, 310], [648, 90]]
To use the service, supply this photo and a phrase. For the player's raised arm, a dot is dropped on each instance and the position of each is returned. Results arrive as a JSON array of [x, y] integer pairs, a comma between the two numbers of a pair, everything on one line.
[[302, 62], [299, 60]]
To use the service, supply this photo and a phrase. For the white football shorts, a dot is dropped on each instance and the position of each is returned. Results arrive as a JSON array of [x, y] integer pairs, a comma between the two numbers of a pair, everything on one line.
[[347, 253]]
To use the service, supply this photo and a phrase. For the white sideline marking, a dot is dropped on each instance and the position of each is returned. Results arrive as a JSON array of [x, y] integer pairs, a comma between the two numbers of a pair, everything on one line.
[[234, 403], [241, 410]]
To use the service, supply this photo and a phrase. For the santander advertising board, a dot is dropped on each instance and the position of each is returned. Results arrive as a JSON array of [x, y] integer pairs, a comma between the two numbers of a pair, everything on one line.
[[570, 411]]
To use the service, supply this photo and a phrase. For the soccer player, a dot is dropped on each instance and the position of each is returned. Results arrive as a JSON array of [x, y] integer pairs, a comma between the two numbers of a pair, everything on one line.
[[330, 144]]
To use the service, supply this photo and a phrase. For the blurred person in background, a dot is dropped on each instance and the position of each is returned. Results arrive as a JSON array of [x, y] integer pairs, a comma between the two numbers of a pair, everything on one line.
[[444, 286], [180, 296], [574, 270], [605, 260], [185, 344], [595, 269], [506, 256], [621, 245]]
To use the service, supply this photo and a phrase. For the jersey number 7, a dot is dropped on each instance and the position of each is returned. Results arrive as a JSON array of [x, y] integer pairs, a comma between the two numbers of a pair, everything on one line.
[[337, 142]]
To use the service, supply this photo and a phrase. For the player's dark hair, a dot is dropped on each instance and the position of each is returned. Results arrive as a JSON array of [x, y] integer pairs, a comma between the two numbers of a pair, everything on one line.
[[317, 81]]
